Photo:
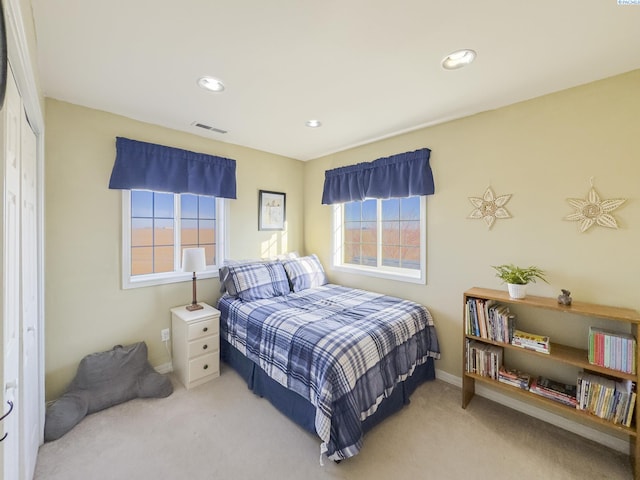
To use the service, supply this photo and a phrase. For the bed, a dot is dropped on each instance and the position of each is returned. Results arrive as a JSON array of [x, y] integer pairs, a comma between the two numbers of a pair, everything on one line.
[[335, 360]]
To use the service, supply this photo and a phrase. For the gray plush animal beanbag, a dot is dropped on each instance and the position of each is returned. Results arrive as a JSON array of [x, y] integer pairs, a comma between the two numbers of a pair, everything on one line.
[[105, 379]]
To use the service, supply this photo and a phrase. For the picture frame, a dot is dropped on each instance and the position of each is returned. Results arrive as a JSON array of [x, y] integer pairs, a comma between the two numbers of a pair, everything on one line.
[[272, 210]]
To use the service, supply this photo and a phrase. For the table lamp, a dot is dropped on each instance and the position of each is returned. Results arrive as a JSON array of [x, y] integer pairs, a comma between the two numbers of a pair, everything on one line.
[[193, 260]]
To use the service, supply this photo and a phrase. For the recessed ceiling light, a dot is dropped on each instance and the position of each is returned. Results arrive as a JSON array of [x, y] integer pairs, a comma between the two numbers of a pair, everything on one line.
[[211, 84], [458, 59], [313, 123]]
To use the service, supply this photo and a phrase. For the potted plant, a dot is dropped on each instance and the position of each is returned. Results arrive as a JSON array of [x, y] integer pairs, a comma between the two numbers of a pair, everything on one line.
[[517, 278]]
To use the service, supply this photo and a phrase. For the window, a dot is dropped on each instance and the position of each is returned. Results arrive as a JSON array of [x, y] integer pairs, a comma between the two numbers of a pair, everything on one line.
[[157, 226], [385, 238]]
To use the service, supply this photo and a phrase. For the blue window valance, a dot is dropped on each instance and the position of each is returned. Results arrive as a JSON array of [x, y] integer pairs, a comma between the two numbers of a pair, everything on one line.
[[147, 166], [397, 176]]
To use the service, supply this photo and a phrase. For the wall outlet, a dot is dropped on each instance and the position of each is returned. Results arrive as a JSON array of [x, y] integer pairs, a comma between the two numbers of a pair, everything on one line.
[[165, 335]]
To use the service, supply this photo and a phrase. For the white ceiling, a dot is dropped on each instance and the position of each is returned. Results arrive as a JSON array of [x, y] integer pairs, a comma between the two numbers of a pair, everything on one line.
[[368, 69]]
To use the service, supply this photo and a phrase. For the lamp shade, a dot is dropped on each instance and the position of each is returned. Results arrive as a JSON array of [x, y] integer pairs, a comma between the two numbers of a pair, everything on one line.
[[193, 260]]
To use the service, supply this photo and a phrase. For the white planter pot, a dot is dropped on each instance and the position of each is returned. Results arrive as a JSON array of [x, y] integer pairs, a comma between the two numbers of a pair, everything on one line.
[[517, 291]]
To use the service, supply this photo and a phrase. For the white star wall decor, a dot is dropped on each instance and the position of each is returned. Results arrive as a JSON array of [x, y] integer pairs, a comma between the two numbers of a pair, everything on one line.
[[490, 207], [592, 210]]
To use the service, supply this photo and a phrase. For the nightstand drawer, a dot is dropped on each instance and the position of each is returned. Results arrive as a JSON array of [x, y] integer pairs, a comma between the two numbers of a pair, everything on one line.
[[202, 328], [203, 345], [202, 366]]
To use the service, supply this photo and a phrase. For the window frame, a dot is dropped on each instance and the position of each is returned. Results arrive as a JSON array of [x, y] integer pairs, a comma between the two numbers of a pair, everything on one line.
[[151, 279], [380, 271]]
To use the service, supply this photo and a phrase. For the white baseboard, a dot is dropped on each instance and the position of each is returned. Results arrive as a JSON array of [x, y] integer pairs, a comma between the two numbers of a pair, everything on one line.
[[592, 434], [164, 368]]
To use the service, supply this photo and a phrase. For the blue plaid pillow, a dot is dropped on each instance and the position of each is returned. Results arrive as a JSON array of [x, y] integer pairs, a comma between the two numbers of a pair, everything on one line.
[[258, 280], [305, 272], [226, 282]]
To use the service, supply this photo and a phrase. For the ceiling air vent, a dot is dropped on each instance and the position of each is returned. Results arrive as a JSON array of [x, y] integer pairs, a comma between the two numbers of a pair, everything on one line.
[[207, 127]]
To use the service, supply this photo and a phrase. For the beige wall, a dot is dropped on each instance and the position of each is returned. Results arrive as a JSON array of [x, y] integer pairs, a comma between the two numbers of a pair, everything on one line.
[[86, 309], [542, 151]]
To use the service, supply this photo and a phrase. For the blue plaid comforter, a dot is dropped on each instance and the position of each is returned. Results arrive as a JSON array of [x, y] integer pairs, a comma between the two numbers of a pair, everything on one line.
[[342, 349]]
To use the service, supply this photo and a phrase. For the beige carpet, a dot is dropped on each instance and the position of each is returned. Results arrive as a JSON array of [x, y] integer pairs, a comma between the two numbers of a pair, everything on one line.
[[220, 430]]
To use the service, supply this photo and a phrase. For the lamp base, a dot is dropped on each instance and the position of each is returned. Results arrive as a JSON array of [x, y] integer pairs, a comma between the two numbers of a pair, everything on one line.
[[194, 306]]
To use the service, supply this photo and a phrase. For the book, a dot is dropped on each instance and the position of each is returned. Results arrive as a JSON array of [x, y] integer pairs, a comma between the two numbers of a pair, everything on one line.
[[606, 398], [531, 341], [515, 378], [489, 319], [474, 328], [554, 390], [556, 386], [632, 404], [614, 350], [481, 320], [483, 359]]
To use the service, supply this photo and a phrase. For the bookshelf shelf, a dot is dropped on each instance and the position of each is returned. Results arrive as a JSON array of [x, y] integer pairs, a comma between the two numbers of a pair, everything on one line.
[[565, 354], [552, 405], [559, 353]]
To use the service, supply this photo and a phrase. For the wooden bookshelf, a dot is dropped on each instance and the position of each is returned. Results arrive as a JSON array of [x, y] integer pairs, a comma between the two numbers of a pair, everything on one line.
[[563, 354]]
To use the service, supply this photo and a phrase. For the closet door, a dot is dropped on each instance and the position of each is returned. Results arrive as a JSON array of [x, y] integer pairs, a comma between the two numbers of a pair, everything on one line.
[[10, 119], [29, 374]]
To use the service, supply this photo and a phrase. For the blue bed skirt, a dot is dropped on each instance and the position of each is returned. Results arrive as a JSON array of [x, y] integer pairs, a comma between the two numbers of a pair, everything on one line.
[[300, 410]]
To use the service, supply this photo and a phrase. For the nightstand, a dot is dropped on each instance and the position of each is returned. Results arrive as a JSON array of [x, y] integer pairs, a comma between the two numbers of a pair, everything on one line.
[[196, 344]]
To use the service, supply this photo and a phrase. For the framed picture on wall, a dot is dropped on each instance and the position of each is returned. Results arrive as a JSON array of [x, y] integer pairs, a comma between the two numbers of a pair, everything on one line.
[[271, 210]]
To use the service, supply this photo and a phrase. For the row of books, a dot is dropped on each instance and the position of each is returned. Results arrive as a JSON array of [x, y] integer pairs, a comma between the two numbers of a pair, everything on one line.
[[488, 319], [492, 320], [531, 341], [612, 350], [515, 378], [483, 359], [543, 386], [609, 399], [554, 390]]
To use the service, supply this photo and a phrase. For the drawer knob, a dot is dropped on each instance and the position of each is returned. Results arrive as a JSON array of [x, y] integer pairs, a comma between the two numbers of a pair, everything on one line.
[[205, 329], [204, 347], [205, 366]]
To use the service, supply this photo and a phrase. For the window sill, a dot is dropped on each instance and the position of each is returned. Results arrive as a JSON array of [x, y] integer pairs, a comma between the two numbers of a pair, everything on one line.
[[140, 281], [389, 273]]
